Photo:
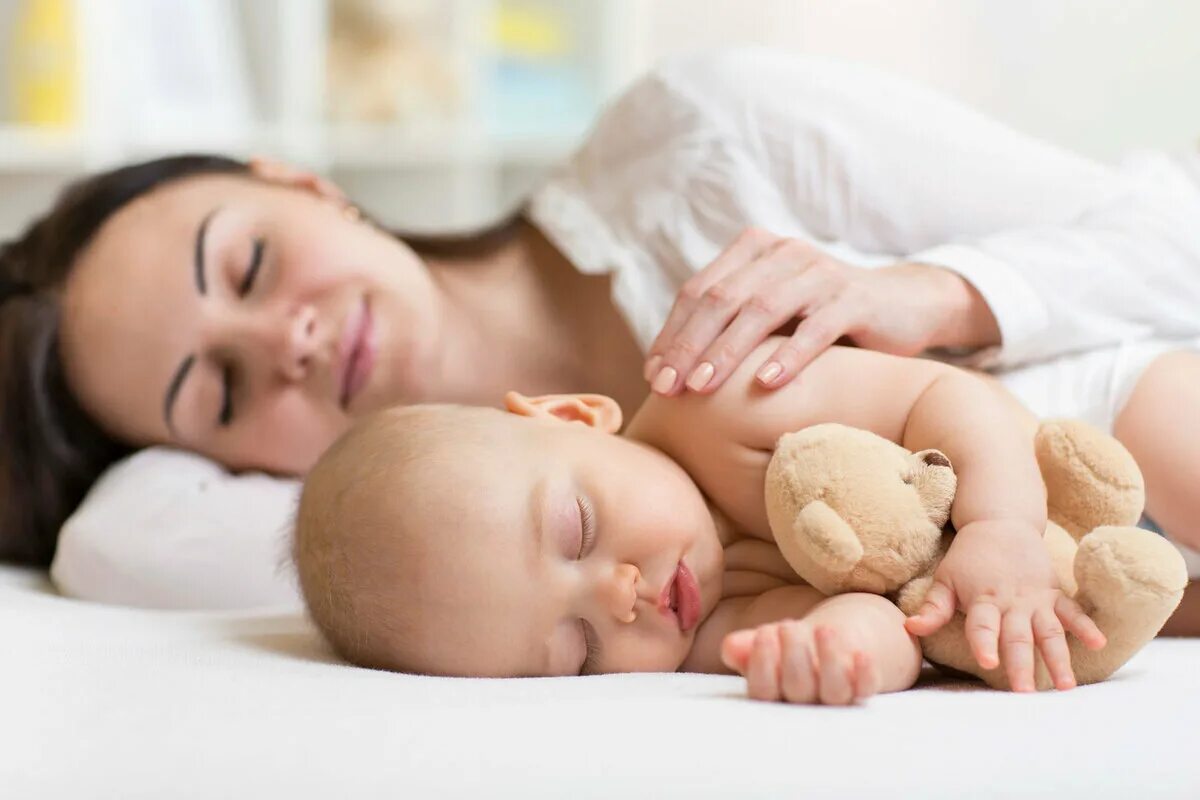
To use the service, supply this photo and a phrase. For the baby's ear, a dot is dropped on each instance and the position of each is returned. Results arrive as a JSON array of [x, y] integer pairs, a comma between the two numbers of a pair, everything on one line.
[[594, 410]]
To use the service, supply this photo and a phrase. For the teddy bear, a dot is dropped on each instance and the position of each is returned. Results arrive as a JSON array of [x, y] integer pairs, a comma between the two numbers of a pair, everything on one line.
[[852, 511]]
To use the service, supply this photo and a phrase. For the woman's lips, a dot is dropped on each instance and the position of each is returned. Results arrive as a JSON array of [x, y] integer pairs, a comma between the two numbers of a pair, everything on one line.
[[356, 352], [680, 598]]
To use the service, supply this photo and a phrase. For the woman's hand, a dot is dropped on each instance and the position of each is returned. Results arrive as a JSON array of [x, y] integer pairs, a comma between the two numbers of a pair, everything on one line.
[[763, 282]]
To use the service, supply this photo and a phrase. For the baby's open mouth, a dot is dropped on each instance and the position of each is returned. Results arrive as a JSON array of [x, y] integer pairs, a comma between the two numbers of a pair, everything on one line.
[[680, 598]]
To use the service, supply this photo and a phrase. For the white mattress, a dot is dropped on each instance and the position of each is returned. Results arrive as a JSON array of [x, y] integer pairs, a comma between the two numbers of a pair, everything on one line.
[[99, 702]]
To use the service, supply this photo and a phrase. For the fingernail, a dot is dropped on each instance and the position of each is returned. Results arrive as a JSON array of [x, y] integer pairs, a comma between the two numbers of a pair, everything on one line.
[[700, 376], [664, 381], [652, 367], [769, 372]]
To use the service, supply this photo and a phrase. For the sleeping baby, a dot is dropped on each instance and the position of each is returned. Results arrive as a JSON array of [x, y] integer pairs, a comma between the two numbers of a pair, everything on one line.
[[538, 540]]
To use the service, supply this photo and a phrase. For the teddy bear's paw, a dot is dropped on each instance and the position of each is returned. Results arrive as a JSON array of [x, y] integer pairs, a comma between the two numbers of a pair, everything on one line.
[[1091, 479], [1130, 582], [1120, 566]]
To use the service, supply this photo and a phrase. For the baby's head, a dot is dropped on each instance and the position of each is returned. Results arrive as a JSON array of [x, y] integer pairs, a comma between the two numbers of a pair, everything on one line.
[[451, 540]]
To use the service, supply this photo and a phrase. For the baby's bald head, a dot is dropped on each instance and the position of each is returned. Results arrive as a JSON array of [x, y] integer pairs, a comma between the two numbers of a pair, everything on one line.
[[366, 536], [478, 542]]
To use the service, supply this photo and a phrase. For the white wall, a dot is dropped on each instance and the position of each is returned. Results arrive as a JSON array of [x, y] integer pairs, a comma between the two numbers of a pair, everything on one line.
[[1100, 76]]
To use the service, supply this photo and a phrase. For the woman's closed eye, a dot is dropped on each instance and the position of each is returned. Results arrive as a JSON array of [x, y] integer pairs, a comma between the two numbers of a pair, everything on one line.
[[251, 273], [228, 376], [225, 414]]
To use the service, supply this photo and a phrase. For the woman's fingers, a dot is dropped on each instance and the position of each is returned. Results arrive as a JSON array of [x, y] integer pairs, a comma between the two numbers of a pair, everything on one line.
[[745, 249], [772, 294], [687, 359], [687, 354], [812, 336]]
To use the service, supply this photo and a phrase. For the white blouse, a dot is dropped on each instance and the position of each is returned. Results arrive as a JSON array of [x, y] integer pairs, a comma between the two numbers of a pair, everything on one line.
[[1070, 255]]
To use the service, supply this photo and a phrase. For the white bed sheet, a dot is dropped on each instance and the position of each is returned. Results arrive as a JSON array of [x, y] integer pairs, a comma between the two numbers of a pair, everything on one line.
[[102, 702]]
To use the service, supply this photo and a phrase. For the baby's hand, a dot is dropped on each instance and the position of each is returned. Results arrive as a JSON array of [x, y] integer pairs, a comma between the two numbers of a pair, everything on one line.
[[794, 661], [1000, 575]]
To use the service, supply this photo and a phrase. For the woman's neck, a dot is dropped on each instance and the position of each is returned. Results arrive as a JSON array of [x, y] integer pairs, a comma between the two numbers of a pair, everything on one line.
[[522, 317]]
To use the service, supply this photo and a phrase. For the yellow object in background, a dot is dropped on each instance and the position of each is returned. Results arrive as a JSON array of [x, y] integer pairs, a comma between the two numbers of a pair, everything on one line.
[[530, 31], [42, 70]]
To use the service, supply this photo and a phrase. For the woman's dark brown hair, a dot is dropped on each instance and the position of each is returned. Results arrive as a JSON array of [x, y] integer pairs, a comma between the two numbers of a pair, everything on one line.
[[51, 452]]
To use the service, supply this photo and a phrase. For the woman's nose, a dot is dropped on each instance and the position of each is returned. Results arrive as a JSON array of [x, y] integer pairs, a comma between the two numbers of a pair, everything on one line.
[[298, 343], [282, 344], [618, 592]]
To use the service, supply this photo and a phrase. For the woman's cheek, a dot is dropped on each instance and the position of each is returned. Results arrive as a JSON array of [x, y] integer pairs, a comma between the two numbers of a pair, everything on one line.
[[289, 437]]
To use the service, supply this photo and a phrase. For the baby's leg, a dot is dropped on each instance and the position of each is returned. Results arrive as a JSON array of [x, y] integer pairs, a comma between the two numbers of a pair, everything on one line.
[[1146, 394], [1160, 426]]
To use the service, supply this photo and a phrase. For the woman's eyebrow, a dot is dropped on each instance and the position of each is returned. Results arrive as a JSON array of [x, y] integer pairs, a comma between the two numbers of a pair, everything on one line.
[[201, 233]]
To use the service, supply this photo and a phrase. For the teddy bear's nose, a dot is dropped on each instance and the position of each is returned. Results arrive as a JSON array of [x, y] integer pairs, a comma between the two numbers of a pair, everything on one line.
[[936, 460]]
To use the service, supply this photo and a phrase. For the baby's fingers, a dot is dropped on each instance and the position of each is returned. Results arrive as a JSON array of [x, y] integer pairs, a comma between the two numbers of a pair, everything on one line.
[[762, 674], [735, 649], [982, 630], [936, 611], [1016, 639], [1078, 623], [1052, 642], [836, 669], [797, 670]]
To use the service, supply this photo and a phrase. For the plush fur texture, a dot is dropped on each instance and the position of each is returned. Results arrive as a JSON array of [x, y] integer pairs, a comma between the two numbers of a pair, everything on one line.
[[852, 511]]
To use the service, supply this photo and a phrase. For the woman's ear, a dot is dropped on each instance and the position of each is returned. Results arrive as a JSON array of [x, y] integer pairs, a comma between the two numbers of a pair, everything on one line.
[[273, 171], [594, 410]]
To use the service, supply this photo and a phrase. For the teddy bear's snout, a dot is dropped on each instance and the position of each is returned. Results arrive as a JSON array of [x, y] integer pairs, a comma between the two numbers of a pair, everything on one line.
[[936, 460]]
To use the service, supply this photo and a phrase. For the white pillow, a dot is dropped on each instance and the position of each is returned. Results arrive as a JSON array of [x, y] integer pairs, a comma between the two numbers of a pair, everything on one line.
[[168, 529]]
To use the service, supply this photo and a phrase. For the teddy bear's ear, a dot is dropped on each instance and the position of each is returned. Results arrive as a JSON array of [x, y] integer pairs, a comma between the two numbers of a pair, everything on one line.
[[933, 477], [823, 539]]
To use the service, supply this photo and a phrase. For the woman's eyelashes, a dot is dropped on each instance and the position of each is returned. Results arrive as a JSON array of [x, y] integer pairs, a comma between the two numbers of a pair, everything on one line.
[[225, 415], [587, 527], [256, 259]]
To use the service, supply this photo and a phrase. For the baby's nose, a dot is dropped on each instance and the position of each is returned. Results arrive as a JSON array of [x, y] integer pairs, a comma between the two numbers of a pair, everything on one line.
[[620, 592]]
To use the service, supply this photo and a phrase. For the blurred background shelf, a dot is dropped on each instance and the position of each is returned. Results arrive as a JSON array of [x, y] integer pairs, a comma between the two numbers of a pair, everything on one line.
[[26, 148], [430, 113], [367, 146], [441, 114]]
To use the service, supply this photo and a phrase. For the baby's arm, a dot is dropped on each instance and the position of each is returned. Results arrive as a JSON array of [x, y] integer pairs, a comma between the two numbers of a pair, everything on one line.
[[997, 570], [796, 645]]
